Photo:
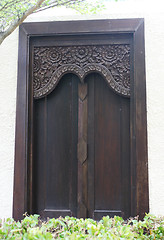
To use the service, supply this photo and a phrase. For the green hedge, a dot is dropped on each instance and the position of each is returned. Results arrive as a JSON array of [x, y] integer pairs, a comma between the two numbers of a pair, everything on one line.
[[31, 227]]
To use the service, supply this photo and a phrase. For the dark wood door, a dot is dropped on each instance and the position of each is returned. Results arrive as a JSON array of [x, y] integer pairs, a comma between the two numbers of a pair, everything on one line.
[[66, 182], [81, 144], [109, 151], [55, 151]]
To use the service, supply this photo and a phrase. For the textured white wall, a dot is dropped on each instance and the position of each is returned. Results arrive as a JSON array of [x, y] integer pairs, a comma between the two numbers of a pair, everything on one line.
[[8, 76], [153, 12]]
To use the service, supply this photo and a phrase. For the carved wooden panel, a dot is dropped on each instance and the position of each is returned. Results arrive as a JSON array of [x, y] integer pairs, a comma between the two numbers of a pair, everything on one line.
[[111, 61]]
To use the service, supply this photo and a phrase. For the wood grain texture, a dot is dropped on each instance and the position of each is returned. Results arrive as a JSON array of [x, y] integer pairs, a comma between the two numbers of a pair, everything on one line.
[[84, 26], [109, 151], [140, 118], [20, 205], [82, 150], [55, 154]]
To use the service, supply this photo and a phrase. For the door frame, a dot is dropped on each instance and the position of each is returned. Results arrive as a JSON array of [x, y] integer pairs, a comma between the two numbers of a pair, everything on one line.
[[138, 118]]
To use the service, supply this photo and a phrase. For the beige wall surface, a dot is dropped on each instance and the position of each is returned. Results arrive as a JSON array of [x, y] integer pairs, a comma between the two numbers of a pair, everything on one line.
[[153, 13]]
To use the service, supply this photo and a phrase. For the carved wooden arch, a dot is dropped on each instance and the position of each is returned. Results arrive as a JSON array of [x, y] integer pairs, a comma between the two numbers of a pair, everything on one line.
[[111, 61]]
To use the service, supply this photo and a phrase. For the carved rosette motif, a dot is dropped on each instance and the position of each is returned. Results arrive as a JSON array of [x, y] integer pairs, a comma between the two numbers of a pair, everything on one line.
[[111, 61]]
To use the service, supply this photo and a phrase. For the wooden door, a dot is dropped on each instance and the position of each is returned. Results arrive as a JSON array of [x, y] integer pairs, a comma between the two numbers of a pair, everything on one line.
[[108, 151], [96, 181], [81, 130], [55, 151]]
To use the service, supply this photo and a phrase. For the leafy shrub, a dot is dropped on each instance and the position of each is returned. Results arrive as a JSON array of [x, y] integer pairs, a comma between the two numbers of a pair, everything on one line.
[[70, 228]]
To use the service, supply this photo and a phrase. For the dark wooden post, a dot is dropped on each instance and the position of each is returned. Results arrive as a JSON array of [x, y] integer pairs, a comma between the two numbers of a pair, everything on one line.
[[82, 151]]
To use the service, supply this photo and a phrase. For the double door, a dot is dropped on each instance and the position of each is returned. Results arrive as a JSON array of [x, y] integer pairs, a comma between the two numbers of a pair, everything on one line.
[[81, 158]]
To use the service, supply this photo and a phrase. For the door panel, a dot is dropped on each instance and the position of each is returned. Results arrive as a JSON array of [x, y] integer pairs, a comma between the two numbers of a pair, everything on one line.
[[55, 154], [109, 161], [56, 130]]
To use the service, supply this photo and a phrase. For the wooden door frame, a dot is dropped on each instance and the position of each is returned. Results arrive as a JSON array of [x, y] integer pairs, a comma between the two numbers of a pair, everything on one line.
[[138, 118]]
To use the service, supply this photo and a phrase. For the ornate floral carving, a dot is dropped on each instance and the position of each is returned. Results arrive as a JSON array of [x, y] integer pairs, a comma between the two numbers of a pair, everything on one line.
[[111, 61]]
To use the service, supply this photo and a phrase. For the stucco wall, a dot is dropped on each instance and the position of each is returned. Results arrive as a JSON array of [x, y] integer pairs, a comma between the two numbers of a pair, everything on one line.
[[154, 43]]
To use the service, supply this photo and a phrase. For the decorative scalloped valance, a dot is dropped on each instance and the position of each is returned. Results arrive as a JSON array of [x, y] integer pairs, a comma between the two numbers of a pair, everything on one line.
[[111, 61]]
